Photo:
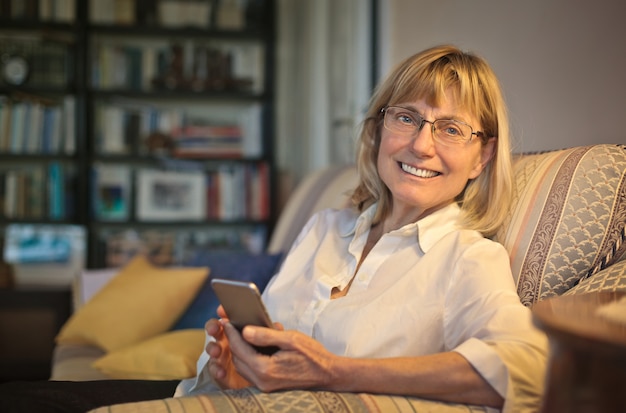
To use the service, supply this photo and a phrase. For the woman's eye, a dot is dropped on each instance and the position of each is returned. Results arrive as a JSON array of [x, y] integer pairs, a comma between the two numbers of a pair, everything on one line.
[[451, 130], [405, 119]]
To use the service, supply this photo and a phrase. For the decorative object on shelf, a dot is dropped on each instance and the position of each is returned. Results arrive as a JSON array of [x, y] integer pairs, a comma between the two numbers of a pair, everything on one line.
[[15, 69], [159, 143], [36, 59], [45, 254], [206, 67]]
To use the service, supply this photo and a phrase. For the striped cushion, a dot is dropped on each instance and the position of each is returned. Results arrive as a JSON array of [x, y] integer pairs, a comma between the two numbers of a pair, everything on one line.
[[568, 220]]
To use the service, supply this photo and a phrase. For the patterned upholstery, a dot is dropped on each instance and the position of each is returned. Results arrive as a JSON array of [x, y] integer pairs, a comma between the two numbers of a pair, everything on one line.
[[612, 278], [569, 218], [296, 401]]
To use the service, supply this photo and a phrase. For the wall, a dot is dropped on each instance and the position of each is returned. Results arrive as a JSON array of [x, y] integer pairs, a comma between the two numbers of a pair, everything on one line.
[[562, 63]]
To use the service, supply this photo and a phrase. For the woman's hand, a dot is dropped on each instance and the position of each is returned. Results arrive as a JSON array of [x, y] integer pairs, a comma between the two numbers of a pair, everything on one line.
[[301, 362], [221, 367]]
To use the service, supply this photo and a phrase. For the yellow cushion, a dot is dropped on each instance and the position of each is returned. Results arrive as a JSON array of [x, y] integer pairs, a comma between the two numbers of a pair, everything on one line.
[[169, 356], [138, 303]]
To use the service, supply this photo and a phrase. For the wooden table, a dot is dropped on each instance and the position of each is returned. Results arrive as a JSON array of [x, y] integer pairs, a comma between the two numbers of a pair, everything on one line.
[[587, 364]]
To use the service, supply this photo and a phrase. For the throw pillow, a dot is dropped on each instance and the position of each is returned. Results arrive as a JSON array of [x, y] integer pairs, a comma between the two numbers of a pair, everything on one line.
[[140, 302], [168, 356], [232, 265]]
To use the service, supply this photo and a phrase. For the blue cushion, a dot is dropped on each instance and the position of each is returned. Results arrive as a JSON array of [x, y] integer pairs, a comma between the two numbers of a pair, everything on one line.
[[232, 265]]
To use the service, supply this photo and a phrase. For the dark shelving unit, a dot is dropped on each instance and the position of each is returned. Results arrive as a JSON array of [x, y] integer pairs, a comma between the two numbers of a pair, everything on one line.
[[257, 30]]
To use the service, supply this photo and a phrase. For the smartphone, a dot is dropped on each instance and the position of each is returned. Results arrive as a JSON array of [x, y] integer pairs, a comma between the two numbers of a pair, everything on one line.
[[244, 306]]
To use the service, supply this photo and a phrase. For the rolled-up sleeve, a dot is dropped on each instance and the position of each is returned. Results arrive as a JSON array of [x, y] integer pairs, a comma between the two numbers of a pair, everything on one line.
[[494, 330]]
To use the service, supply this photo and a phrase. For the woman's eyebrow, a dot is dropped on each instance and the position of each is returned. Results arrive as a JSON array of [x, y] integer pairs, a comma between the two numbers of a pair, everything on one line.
[[410, 108], [440, 117]]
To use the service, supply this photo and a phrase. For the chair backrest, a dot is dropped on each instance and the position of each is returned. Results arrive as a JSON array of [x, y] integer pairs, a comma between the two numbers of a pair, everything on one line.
[[568, 218], [327, 188]]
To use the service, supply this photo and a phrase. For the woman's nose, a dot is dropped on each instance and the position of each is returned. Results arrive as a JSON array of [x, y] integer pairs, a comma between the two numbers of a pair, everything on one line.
[[423, 142]]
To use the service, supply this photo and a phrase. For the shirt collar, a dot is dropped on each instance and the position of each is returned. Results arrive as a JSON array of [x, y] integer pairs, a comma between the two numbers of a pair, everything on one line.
[[428, 231]]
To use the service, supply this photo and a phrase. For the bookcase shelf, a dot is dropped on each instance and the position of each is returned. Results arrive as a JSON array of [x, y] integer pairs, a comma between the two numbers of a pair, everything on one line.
[[180, 95], [143, 89]]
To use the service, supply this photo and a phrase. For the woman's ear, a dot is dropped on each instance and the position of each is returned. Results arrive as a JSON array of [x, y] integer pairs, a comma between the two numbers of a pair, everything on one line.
[[487, 152]]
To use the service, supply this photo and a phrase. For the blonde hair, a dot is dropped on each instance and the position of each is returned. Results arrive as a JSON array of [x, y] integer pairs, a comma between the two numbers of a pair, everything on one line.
[[428, 75]]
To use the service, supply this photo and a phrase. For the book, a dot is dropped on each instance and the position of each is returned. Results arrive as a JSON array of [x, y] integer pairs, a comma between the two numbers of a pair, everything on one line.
[[33, 138], [124, 12], [111, 127], [102, 12], [36, 190], [69, 125], [6, 114], [208, 141], [250, 120], [18, 120], [56, 191]]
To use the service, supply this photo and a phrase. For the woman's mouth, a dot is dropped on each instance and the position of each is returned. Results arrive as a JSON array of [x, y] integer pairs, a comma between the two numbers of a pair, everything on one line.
[[422, 173]]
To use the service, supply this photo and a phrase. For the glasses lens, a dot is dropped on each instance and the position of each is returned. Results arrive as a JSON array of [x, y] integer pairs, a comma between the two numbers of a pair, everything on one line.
[[452, 131], [401, 120]]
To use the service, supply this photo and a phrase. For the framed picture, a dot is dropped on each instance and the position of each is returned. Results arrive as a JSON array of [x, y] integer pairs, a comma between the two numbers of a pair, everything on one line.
[[170, 195], [111, 198]]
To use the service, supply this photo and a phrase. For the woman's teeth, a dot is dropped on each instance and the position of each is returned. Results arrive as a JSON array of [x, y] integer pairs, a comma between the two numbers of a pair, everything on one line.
[[422, 173]]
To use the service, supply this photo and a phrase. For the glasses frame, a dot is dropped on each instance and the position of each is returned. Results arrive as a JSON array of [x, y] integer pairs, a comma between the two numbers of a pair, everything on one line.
[[383, 112]]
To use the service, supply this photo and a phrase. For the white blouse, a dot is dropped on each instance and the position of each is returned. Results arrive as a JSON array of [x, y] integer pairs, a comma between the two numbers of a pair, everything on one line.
[[425, 288]]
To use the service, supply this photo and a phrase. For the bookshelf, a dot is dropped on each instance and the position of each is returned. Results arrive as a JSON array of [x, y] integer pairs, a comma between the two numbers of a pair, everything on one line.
[[39, 140], [152, 128]]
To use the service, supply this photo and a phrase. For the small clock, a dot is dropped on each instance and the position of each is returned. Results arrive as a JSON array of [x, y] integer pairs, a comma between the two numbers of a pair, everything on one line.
[[15, 70]]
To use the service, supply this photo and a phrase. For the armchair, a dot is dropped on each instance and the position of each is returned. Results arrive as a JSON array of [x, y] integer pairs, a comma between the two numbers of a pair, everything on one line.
[[566, 235]]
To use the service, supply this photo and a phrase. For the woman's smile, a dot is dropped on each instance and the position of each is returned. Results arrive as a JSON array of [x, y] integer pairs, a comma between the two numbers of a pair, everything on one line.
[[419, 172]]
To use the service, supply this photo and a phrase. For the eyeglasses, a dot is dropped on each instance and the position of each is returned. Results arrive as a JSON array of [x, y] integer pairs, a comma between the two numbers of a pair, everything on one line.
[[446, 131]]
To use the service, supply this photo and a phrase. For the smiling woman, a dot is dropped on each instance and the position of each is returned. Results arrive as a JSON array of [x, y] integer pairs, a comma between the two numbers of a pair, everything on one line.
[[412, 246]]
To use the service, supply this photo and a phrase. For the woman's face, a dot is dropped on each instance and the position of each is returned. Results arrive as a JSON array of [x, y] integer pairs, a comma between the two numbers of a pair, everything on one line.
[[422, 174]]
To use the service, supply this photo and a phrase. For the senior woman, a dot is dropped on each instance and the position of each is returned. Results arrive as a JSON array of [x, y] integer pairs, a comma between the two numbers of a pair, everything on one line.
[[404, 292]]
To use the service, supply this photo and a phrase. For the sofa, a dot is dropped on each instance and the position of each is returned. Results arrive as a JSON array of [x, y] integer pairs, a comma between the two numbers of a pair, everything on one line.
[[565, 234]]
